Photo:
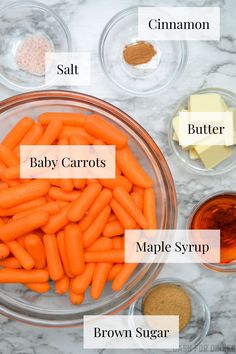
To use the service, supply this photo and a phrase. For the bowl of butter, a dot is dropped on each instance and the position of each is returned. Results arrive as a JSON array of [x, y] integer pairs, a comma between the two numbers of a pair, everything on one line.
[[202, 132]]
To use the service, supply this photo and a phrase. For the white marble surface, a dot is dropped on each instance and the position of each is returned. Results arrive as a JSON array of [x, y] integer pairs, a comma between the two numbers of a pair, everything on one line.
[[211, 64]]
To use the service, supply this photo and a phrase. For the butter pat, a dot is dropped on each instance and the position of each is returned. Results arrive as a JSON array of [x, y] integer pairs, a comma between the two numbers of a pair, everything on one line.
[[213, 155], [193, 154], [211, 102]]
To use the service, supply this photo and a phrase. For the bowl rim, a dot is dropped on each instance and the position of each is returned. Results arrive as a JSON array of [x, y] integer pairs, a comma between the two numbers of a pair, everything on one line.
[[170, 196], [199, 171], [115, 19], [58, 18]]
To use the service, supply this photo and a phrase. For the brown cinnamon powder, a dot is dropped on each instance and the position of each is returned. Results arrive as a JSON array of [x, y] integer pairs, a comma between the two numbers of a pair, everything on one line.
[[138, 53]]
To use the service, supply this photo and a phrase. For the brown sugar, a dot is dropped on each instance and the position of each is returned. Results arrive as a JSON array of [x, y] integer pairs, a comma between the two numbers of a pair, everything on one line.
[[168, 299], [138, 53]]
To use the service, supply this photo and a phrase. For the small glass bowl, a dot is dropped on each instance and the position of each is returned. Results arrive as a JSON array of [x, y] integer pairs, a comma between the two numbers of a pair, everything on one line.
[[146, 79], [183, 156], [224, 267], [19, 20], [198, 326]]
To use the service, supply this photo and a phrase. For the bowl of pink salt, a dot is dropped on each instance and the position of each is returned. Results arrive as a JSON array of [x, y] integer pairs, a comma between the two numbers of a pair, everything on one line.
[[28, 31]]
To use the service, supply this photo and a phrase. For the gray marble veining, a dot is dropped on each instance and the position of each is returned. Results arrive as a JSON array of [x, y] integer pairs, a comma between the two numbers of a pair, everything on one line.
[[211, 64]]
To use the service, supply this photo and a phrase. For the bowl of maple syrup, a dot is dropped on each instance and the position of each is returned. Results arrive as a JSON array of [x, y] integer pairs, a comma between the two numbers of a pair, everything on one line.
[[218, 212]]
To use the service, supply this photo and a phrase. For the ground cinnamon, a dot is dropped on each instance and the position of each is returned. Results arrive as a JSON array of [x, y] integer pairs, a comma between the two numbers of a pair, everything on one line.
[[138, 53]]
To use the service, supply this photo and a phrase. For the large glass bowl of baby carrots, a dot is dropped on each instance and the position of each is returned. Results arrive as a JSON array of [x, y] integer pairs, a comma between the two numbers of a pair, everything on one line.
[[62, 240]]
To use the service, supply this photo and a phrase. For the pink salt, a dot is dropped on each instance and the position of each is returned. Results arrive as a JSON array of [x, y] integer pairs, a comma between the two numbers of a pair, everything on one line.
[[30, 54]]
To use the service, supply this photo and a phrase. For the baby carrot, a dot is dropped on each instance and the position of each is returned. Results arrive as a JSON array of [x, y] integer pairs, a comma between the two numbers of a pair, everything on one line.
[[62, 285], [79, 207], [116, 182], [132, 169], [57, 221], [123, 275], [3, 185], [138, 190], [21, 254], [30, 138], [76, 299], [23, 276], [22, 226], [126, 201], [11, 172], [99, 279], [79, 183], [74, 248], [18, 131], [96, 228], [10, 262], [114, 271], [112, 256], [8, 157], [51, 133], [69, 131], [101, 244], [124, 218], [4, 251], [113, 228], [21, 241], [67, 118], [149, 208], [59, 194], [38, 287], [23, 193], [22, 207], [55, 268], [51, 208], [55, 182], [102, 129], [35, 248], [112, 217], [81, 282], [62, 251], [138, 199], [118, 242], [102, 200]]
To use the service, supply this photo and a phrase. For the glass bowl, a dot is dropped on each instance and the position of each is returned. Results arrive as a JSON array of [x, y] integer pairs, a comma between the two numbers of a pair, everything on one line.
[[183, 156], [122, 30], [50, 309], [20, 20], [220, 267], [195, 331]]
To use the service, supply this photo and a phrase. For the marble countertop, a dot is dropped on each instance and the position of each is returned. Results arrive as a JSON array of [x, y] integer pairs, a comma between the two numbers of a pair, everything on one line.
[[211, 64]]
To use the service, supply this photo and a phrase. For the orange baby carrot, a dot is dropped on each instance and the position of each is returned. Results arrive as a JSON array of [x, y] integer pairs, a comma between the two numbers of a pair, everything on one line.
[[113, 228], [132, 169], [8, 157], [51, 208], [3, 185], [55, 182], [69, 131], [126, 201], [18, 131], [12, 172], [114, 271], [118, 242], [67, 118], [96, 228], [23, 276], [23, 207], [123, 275], [54, 265], [112, 217], [102, 129], [38, 287], [79, 207], [74, 248], [116, 182], [10, 262], [125, 219], [21, 241], [81, 282], [62, 285], [138, 199], [22, 226], [62, 251], [34, 245], [21, 254], [138, 189], [79, 183], [51, 133], [30, 138], [102, 200], [76, 299], [57, 221], [112, 256], [4, 251], [23, 193], [149, 208], [99, 279], [59, 194], [101, 244]]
